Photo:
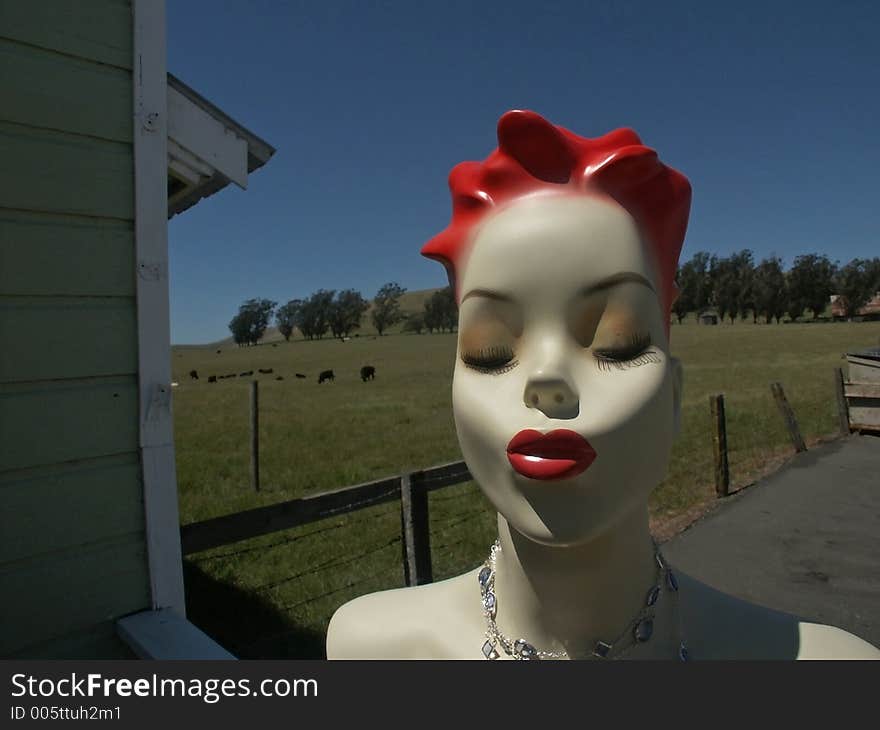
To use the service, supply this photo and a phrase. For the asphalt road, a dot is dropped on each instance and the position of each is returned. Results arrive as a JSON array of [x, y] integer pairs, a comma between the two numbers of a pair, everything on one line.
[[806, 540]]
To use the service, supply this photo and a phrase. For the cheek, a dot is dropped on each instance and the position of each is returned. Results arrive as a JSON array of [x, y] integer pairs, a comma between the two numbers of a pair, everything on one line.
[[631, 426], [616, 400], [485, 406]]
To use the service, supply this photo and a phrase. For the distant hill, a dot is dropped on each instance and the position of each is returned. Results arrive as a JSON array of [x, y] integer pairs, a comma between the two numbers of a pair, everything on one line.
[[410, 303]]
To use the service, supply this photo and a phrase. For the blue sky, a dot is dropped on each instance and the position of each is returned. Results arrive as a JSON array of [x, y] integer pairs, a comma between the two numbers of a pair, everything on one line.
[[770, 108]]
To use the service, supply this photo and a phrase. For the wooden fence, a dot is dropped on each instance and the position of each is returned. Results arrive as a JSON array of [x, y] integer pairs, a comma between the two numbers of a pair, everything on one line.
[[412, 489]]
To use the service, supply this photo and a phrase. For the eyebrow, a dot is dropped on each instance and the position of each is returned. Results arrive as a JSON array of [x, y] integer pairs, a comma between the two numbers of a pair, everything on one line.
[[489, 294], [624, 277]]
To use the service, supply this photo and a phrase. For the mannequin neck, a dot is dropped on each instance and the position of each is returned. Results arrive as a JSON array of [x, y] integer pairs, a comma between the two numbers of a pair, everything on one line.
[[570, 597]]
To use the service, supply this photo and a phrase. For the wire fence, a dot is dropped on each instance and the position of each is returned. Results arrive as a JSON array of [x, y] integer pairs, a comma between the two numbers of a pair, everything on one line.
[[281, 583]]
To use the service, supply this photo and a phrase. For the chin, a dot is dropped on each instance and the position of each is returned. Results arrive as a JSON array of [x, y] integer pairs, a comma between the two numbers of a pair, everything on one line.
[[567, 512]]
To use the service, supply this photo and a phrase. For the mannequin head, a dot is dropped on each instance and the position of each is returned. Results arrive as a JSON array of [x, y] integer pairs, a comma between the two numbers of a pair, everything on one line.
[[562, 252]]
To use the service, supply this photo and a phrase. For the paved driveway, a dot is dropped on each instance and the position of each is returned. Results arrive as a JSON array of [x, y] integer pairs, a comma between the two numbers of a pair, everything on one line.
[[806, 540]]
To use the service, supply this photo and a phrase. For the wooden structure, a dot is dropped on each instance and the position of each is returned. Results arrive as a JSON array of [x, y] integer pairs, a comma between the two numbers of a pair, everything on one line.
[[91, 130], [410, 490], [870, 309], [719, 445], [791, 424], [708, 318], [862, 390]]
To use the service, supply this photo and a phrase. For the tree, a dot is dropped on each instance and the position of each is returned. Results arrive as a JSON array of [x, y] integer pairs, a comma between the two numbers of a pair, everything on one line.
[[415, 322], [345, 312], [250, 323], [725, 286], [682, 304], [811, 283], [769, 289], [286, 317], [695, 283], [314, 315], [386, 306], [856, 285], [744, 274], [441, 311]]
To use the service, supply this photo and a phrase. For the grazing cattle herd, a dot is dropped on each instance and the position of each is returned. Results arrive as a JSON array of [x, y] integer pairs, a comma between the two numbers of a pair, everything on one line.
[[368, 372]]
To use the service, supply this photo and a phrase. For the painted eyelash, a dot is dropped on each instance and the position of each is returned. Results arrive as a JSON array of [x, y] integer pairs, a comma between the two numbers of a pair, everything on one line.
[[632, 356], [606, 363], [494, 360]]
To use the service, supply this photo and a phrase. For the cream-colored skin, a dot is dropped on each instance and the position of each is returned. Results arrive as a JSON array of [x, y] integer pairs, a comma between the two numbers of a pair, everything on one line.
[[559, 283]]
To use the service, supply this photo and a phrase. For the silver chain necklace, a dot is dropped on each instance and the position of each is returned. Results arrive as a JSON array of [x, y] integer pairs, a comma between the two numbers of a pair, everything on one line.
[[637, 631]]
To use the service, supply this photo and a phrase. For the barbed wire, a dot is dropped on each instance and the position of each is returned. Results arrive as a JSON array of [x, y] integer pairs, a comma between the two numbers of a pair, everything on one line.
[[332, 563], [295, 538]]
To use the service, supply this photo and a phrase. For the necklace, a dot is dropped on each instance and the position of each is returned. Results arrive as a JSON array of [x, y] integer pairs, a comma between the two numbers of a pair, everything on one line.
[[637, 631]]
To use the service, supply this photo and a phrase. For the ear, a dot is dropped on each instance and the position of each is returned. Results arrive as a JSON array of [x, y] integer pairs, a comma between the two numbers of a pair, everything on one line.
[[677, 387]]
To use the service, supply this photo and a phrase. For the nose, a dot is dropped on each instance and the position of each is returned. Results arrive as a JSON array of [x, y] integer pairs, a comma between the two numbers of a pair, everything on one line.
[[552, 395]]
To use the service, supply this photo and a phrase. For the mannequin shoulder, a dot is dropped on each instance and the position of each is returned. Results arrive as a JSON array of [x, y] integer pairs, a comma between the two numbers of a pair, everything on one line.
[[819, 641], [721, 626], [406, 623]]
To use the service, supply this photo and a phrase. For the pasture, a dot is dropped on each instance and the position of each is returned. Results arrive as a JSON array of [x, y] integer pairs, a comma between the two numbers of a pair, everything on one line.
[[272, 596]]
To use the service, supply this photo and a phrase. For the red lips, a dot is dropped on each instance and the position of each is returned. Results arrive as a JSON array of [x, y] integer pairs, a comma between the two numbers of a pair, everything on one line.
[[559, 454]]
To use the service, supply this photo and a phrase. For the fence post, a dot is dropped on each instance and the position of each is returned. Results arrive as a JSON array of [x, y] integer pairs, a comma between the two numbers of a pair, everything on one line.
[[842, 409], [415, 530], [791, 423], [719, 443], [255, 436]]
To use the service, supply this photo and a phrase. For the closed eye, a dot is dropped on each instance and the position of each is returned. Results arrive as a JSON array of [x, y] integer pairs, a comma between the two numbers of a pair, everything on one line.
[[636, 352], [493, 360]]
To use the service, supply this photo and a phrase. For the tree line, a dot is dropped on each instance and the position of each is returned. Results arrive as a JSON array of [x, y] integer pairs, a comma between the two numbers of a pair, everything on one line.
[[340, 313], [734, 286]]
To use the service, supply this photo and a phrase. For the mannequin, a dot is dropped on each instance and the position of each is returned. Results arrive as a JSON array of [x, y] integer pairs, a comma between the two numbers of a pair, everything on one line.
[[562, 251]]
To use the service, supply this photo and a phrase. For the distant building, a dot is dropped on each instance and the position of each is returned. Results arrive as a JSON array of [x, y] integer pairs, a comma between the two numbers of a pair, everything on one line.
[[709, 317], [871, 309]]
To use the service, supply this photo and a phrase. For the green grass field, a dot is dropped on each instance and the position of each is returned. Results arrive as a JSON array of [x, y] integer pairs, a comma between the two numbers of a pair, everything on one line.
[[272, 596]]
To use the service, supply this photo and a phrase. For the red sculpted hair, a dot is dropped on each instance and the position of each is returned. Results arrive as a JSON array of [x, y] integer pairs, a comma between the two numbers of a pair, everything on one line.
[[534, 155]]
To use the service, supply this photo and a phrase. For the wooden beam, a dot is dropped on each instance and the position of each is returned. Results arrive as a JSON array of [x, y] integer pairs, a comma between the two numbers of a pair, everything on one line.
[[444, 475], [788, 416], [164, 635], [230, 528], [840, 396], [719, 445], [284, 515], [415, 531], [255, 435], [861, 390], [150, 133], [207, 138]]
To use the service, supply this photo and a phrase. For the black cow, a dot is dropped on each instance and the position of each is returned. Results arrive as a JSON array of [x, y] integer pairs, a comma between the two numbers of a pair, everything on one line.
[[194, 374], [247, 374], [219, 351], [326, 375], [368, 372], [265, 371], [280, 377], [300, 375], [212, 378]]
